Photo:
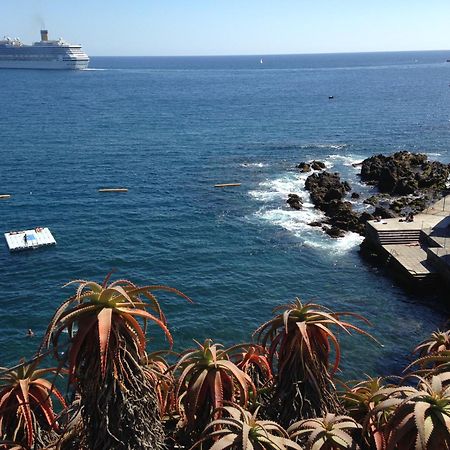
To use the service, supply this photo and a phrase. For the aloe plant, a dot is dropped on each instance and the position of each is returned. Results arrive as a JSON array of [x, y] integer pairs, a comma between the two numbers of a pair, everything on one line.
[[239, 429], [301, 342], [253, 360], [431, 364], [160, 377], [26, 407], [360, 400], [206, 378], [328, 433], [439, 341], [419, 417], [106, 325]]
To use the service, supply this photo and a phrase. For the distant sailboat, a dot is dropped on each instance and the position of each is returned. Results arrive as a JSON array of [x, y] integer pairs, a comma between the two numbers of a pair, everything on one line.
[[261, 61]]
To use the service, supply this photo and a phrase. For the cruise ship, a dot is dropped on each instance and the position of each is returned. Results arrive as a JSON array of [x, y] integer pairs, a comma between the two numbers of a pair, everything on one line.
[[44, 54]]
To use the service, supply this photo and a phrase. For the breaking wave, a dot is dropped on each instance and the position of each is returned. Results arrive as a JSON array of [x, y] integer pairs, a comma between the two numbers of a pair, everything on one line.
[[273, 194], [254, 164]]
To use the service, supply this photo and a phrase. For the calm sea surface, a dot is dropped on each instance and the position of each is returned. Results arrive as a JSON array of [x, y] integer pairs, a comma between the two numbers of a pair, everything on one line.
[[169, 129]]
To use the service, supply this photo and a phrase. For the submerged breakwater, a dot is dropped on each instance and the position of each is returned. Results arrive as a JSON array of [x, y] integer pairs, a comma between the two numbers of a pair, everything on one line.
[[168, 130]]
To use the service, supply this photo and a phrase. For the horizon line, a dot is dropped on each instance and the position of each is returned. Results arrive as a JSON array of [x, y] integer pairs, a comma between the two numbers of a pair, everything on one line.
[[259, 55]]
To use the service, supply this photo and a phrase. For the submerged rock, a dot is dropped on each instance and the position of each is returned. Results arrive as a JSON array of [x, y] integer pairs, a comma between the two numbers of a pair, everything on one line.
[[316, 223]]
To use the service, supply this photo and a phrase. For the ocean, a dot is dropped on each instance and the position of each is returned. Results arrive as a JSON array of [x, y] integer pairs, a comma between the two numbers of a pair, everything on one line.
[[168, 129]]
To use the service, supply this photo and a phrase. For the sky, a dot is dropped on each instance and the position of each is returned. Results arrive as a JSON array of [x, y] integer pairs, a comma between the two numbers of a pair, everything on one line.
[[232, 27]]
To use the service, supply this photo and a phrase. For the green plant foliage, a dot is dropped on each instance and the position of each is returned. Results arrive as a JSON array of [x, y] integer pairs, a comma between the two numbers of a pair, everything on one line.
[[106, 325], [26, 406], [125, 398], [300, 343], [328, 433], [157, 371], [241, 430], [360, 399], [206, 378], [253, 360], [439, 341], [431, 364], [419, 417]]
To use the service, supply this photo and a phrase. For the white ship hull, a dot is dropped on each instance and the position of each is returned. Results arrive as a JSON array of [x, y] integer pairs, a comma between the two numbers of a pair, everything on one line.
[[45, 54], [57, 65]]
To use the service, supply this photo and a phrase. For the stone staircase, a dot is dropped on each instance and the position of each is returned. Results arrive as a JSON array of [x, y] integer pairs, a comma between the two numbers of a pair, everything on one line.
[[392, 237]]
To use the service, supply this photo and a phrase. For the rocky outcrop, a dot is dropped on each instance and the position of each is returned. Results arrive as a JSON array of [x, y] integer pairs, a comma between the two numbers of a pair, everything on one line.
[[404, 173], [327, 193], [294, 201], [407, 183], [324, 187], [304, 167], [313, 165], [317, 165]]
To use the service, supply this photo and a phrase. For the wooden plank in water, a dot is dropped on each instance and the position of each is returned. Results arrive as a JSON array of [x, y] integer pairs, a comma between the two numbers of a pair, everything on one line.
[[221, 185], [39, 237], [113, 190]]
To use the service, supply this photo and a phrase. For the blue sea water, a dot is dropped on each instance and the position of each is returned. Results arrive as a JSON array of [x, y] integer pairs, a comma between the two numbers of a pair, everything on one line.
[[169, 129]]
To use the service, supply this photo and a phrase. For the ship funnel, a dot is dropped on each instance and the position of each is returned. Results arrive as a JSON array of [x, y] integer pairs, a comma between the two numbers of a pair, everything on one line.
[[44, 35]]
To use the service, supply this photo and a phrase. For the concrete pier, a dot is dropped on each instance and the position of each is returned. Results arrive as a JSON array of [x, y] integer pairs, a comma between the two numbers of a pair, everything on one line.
[[417, 250]]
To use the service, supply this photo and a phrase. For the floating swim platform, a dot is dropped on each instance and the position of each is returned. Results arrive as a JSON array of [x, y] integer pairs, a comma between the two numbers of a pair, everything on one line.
[[113, 190], [221, 185], [29, 239], [5, 196]]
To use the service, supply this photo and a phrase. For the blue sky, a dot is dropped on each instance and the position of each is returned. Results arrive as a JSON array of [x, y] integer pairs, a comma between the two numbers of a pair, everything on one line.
[[210, 27]]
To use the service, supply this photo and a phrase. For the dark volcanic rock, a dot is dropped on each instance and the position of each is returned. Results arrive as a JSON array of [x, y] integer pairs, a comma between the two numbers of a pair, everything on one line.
[[365, 216], [327, 191], [404, 173], [408, 182], [344, 218], [315, 224], [304, 167], [313, 165], [334, 232], [373, 200], [324, 187], [383, 213], [405, 205], [317, 165], [295, 201]]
